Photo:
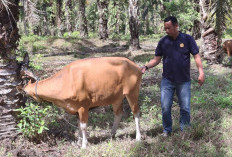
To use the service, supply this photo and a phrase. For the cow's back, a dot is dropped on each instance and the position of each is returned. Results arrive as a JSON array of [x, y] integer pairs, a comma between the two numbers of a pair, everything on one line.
[[98, 79]]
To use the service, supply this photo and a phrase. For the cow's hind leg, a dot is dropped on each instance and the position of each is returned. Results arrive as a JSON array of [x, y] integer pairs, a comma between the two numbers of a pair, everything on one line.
[[117, 107], [83, 115], [132, 98]]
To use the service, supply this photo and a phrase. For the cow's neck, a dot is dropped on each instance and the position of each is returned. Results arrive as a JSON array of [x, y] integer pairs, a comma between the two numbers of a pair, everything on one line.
[[43, 90]]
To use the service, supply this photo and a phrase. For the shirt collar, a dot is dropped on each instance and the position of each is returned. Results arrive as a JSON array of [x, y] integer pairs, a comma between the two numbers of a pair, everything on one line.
[[177, 38]]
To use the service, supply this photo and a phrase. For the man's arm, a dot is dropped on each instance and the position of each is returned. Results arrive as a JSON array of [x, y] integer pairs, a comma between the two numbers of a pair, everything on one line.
[[201, 77], [155, 61]]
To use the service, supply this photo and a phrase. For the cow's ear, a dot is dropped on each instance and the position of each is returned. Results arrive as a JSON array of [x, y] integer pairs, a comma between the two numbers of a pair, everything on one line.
[[26, 60], [29, 82], [19, 88]]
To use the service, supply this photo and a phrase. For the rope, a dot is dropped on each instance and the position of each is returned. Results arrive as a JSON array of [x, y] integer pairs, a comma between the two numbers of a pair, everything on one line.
[[37, 80], [69, 122]]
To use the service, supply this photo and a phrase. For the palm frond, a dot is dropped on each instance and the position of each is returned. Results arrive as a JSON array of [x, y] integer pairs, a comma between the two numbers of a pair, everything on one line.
[[6, 3], [221, 12]]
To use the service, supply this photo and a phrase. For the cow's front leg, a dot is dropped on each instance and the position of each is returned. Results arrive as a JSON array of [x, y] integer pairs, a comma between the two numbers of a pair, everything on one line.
[[79, 141], [83, 127], [83, 114]]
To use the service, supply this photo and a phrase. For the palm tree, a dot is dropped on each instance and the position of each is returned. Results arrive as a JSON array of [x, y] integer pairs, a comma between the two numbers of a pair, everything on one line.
[[83, 20], [102, 6], [9, 67], [213, 17], [59, 16], [134, 24], [222, 11], [67, 14]]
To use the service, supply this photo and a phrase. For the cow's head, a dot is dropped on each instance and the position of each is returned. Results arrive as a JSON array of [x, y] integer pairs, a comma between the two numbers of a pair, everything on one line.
[[30, 89]]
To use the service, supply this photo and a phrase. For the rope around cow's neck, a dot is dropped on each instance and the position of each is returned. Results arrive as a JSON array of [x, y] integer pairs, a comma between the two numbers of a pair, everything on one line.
[[36, 84]]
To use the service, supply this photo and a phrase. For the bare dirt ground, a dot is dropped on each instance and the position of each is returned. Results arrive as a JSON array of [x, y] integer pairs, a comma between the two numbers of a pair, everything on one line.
[[58, 140]]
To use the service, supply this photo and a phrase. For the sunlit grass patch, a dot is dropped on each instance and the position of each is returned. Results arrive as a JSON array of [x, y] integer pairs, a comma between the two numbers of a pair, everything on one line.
[[38, 45], [33, 38]]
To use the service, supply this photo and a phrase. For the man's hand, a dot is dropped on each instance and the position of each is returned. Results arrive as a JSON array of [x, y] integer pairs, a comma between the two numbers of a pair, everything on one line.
[[143, 69], [201, 79]]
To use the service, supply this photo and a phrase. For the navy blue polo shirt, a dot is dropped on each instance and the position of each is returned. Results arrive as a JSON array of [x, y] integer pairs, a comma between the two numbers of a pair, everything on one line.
[[176, 56]]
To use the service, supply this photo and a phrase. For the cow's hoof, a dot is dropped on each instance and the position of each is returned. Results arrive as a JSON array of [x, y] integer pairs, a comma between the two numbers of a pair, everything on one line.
[[84, 146], [77, 143], [138, 138]]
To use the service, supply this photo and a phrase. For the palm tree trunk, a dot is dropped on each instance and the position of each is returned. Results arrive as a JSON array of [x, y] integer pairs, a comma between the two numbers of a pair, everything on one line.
[[9, 98], [82, 18], [134, 24], [23, 19], [103, 18], [45, 22], [68, 17], [59, 16], [209, 45]]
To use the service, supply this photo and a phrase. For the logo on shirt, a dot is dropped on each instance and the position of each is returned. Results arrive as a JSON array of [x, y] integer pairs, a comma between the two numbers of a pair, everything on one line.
[[182, 45]]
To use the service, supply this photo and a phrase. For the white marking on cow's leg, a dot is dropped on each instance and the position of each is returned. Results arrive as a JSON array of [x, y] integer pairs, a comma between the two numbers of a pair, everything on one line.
[[138, 134], [117, 119], [79, 142], [83, 127]]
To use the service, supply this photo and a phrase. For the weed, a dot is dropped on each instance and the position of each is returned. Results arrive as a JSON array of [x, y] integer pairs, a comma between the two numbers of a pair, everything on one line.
[[36, 61], [197, 131], [145, 106], [33, 119]]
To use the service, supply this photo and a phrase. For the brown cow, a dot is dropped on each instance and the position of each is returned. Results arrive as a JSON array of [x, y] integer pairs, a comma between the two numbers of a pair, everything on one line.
[[227, 46], [88, 83]]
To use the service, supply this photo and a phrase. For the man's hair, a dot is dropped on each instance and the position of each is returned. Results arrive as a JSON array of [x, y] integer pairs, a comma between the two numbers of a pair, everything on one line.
[[172, 19]]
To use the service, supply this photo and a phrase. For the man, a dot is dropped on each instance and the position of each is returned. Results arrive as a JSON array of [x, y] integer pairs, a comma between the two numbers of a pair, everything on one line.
[[175, 49]]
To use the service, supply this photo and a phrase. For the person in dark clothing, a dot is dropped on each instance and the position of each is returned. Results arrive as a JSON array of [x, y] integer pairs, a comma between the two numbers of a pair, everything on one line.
[[175, 49]]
